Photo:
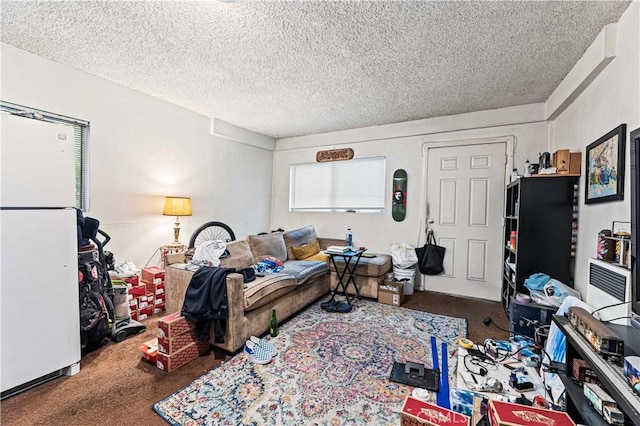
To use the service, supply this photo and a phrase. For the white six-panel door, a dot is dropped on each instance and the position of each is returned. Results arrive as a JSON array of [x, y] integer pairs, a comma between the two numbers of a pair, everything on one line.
[[465, 198]]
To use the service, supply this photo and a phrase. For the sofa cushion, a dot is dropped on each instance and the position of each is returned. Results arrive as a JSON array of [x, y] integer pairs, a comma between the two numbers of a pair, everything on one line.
[[304, 270], [306, 250], [266, 289], [268, 245], [320, 257], [240, 255], [297, 238], [368, 266]]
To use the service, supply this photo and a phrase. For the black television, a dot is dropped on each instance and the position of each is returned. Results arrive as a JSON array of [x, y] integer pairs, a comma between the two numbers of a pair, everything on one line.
[[634, 139]]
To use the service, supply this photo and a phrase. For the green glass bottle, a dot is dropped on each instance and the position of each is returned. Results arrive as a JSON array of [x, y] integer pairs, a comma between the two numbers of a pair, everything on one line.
[[273, 325]]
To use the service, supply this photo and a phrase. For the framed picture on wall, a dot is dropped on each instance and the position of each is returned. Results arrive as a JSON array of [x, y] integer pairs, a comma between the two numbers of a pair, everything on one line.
[[605, 167]]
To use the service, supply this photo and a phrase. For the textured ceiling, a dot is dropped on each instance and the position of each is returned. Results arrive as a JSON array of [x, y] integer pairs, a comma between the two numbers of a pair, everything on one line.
[[289, 68]]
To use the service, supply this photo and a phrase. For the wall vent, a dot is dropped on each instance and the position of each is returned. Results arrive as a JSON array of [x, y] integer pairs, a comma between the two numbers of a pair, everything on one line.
[[607, 280], [609, 285]]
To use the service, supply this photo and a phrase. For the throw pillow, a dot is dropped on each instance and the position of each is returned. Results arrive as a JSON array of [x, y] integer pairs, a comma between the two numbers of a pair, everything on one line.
[[268, 245], [306, 250]]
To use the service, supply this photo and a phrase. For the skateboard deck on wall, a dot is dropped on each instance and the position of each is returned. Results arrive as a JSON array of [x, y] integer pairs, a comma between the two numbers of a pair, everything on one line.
[[399, 202]]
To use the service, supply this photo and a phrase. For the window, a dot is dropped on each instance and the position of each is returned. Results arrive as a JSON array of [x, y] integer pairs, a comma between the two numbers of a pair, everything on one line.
[[354, 186], [81, 132]]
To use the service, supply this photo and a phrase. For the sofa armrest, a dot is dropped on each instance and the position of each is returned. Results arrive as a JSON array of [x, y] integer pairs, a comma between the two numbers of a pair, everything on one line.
[[235, 323]]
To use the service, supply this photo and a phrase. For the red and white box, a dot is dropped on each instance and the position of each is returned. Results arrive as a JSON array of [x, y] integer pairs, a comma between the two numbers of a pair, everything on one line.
[[145, 313], [152, 273], [173, 325], [509, 414], [158, 301], [158, 309], [134, 314], [138, 291], [155, 289], [150, 350], [132, 281], [133, 304], [170, 346], [419, 413], [178, 359]]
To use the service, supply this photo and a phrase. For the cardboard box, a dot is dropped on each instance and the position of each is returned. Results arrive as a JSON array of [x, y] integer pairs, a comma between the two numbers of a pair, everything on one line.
[[150, 350], [575, 163], [561, 161], [416, 412], [150, 273], [178, 359], [158, 301], [391, 293], [158, 309], [509, 414], [173, 325], [134, 314], [171, 346]]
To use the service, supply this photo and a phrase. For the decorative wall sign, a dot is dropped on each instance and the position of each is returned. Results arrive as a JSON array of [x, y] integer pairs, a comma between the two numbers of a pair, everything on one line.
[[334, 155], [605, 167]]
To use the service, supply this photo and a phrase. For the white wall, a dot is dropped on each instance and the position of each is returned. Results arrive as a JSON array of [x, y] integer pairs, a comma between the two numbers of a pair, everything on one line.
[[611, 99], [402, 145], [141, 149]]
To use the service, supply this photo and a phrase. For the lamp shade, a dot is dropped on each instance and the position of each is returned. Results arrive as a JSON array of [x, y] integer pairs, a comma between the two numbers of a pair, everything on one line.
[[177, 206]]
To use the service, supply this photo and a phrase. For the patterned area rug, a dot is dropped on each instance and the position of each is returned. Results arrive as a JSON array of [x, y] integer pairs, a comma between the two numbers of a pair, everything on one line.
[[332, 369]]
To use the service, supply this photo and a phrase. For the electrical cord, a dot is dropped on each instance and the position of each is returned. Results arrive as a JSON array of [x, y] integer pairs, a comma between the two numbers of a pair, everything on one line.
[[609, 306]]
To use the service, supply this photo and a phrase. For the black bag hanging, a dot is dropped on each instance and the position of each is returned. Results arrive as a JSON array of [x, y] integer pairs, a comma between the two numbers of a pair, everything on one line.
[[431, 256]]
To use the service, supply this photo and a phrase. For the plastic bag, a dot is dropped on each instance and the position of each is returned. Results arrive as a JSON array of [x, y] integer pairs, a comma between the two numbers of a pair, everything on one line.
[[553, 293], [403, 255]]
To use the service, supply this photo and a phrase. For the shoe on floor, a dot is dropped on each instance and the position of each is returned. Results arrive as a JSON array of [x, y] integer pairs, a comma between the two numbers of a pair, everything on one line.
[[325, 305], [256, 353], [341, 306], [268, 347]]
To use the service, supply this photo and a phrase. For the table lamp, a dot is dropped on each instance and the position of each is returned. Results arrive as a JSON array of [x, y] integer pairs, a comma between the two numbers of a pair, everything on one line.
[[177, 206]]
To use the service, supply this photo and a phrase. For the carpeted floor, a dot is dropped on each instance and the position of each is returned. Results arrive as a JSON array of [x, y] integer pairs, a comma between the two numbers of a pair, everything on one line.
[[332, 368], [116, 387]]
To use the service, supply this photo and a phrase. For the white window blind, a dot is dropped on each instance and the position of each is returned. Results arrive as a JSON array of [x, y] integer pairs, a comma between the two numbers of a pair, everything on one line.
[[81, 139], [354, 185]]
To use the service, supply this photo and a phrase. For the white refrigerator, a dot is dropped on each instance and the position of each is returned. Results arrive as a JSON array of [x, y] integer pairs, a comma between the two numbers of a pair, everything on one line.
[[39, 307]]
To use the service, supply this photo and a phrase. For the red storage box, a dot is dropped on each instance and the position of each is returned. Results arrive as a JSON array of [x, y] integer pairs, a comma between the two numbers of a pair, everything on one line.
[[178, 359], [145, 313], [419, 413], [173, 325], [132, 281], [155, 289], [509, 414], [138, 291], [170, 346], [151, 273]]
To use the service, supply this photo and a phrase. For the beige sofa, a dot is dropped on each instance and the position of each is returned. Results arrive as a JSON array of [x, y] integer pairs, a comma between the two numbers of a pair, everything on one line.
[[301, 282], [307, 275]]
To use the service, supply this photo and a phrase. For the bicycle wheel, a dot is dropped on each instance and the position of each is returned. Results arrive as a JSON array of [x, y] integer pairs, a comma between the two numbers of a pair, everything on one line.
[[211, 231]]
